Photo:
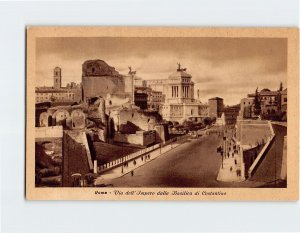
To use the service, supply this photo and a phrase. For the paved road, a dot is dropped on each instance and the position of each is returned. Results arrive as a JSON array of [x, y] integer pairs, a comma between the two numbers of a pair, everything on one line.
[[193, 164], [270, 168]]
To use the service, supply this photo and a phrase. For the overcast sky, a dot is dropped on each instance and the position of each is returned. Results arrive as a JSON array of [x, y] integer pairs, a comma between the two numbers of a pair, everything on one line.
[[225, 67]]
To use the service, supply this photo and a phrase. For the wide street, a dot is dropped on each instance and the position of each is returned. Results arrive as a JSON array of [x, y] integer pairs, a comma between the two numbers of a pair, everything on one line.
[[196, 163]]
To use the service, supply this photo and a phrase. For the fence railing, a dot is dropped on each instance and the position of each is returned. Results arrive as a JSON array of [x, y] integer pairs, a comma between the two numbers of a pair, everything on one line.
[[117, 162]]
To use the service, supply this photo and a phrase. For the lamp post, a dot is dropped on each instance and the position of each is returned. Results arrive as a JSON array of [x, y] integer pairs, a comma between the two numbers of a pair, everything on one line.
[[222, 158], [220, 150], [224, 142]]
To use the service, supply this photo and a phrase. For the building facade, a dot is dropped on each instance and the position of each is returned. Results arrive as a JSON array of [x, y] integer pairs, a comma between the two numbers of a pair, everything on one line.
[[140, 100], [269, 101], [155, 100], [139, 82], [57, 78], [247, 108], [272, 103], [58, 95], [71, 93], [179, 104], [231, 113], [215, 107], [158, 84], [283, 100]]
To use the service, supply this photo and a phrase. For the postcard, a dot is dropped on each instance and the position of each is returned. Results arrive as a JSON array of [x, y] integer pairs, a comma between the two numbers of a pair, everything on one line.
[[162, 113]]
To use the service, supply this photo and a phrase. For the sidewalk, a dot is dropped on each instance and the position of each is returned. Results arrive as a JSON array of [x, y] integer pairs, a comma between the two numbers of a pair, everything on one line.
[[230, 175], [131, 165], [232, 170]]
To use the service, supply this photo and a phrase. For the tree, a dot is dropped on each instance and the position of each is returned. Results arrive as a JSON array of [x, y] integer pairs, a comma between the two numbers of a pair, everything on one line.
[[257, 107], [280, 87], [207, 121]]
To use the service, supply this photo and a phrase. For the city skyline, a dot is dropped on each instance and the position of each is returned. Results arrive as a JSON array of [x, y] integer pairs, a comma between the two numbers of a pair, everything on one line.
[[214, 63]]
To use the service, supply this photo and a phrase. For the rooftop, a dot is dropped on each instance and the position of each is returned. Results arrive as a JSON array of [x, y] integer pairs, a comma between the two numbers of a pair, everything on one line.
[[180, 73], [215, 98], [54, 90], [264, 93]]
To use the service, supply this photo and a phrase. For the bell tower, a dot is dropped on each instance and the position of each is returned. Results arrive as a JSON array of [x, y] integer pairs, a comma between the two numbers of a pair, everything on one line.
[[57, 77]]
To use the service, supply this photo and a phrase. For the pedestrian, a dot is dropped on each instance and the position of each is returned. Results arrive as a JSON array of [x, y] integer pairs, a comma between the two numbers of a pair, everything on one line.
[[148, 156], [231, 169], [134, 162], [232, 154], [142, 158], [132, 173], [235, 161]]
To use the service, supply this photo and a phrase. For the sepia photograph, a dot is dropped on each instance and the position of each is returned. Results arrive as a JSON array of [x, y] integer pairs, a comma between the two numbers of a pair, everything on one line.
[[150, 116], [161, 112]]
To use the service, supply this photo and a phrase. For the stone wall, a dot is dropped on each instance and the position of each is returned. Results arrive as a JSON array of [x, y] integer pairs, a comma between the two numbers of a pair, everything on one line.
[[144, 121], [143, 138], [252, 132], [283, 173], [100, 79], [162, 133], [249, 156], [103, 85], [76, 157], [215, 107], [48, 132]]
